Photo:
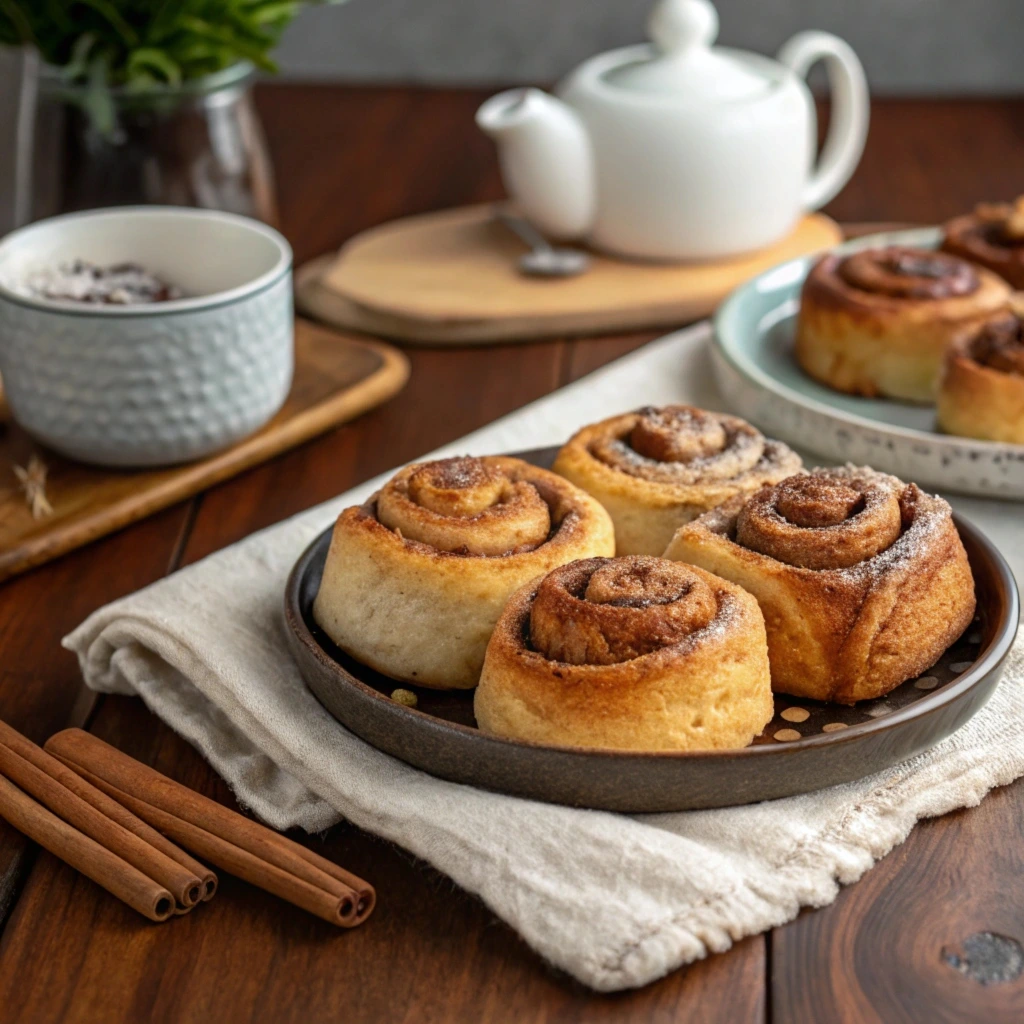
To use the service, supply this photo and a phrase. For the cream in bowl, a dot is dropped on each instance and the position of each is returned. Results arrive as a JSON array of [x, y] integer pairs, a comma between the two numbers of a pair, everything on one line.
[[144, 336]]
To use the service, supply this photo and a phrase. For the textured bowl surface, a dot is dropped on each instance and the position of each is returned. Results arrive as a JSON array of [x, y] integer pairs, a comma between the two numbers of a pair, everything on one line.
[[157, 384], [808, 745], [753, 360]]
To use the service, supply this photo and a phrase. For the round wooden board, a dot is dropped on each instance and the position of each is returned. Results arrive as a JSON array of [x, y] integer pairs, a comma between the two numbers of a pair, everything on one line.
[[828, 745], [450, 278]]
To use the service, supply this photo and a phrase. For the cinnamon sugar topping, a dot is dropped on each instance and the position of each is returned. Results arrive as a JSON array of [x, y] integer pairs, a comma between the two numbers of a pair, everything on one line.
[[461, 486], [905, 273], [815, 502], [1008, 218], [604, 611], [824, 519], [920, 517], [1013, 227], [999, 344], [683, 445], [467, 506], [677, 433]]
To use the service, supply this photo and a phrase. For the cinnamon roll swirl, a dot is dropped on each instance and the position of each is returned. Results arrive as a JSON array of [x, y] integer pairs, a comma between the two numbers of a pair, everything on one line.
[[655, 469], [992, 236], [862, 579], [416, 578], [879, 321], [633, 653], [982, 389]]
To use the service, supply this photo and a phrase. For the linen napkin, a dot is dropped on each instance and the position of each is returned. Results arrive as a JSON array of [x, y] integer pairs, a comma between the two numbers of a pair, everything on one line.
[[615, 900]]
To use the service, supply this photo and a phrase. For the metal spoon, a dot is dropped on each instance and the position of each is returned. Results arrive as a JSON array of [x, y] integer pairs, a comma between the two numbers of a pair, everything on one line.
[[544, 259]]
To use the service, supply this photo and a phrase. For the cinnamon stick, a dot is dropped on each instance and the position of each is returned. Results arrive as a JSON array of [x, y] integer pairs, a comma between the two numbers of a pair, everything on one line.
[[219, 835], [117, 876], [103, 819]]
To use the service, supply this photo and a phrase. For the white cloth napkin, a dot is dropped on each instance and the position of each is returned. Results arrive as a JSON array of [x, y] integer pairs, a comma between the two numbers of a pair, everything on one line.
[[616, 901]]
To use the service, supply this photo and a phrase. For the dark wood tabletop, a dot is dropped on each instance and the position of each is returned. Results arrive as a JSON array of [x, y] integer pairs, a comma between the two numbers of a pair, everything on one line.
[[887, 948]]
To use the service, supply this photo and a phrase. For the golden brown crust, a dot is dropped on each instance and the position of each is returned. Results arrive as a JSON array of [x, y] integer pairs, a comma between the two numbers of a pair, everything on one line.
[[982, 389], [416, 577], [631, 653], [993, 237], [856, 629], [878, 322], [655, 469]]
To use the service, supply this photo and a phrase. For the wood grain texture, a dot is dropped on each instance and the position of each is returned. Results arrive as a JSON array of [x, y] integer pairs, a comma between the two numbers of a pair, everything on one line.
[[432, 953], [451, 278], [888, 949], [337, 377]]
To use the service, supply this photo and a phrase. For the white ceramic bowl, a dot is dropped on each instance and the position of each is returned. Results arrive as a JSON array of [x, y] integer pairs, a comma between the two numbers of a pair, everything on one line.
[[154, 384]]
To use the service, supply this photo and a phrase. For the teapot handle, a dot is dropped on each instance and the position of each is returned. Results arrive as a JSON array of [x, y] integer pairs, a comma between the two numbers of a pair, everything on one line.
[[850, 110]]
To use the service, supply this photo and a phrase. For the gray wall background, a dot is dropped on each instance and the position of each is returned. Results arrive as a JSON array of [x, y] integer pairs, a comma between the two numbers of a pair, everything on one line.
[[909, 47]]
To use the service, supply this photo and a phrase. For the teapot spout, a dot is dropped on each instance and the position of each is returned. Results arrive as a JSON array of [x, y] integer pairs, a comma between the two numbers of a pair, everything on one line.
[[546, 160]]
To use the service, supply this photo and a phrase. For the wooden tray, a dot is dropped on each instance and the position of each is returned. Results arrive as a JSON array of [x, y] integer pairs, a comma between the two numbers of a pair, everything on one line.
[[336, 379], [450, 278], [440, 735]]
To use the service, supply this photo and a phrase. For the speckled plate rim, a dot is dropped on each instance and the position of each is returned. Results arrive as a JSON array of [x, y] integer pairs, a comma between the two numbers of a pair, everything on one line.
[[786, 279], [989, 659]]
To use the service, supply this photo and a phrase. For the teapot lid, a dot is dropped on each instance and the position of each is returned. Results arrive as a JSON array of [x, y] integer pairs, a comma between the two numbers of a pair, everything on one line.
[[684, 63]]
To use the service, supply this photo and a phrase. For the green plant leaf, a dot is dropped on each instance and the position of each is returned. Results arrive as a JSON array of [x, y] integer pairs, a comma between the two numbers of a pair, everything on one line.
[[145, 43], [106, 9], [21, 27], [147, 59], [283, 10], [99, 104], [243, 47], [78, 66], [165, 18]]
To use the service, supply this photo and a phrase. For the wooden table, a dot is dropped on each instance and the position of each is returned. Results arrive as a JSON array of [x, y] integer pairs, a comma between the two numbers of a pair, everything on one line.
[[348, 159]]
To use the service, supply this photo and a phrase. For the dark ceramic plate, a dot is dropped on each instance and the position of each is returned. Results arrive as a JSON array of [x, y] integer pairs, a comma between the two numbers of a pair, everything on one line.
[[807, 746]]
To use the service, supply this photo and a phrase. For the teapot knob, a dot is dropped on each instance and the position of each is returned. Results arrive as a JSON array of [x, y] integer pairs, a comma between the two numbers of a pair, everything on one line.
[[679, 25]]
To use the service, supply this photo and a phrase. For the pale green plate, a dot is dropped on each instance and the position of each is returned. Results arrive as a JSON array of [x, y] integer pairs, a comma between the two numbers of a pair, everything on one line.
[[757, 373]]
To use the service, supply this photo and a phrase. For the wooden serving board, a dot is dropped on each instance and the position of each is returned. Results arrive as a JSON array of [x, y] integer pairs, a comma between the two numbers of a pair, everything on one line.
[[336, 379], [450, 278]]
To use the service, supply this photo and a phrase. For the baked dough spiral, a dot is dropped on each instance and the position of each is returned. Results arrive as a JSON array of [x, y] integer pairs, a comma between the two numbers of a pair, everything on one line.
[[862, 579], [416, 578], [655, 469], [879, 321], [982, 389], [992, 236], [630, 653]]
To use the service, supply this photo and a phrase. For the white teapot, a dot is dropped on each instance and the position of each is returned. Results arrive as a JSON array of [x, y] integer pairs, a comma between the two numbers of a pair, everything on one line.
[[679, 151]]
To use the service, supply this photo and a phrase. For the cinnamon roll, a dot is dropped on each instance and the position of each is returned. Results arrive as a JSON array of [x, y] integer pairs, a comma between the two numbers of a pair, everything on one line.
[[416, 578], [655, 469], [982, 389], [878, 322], [633, 653], [862, 579], [992, 236]]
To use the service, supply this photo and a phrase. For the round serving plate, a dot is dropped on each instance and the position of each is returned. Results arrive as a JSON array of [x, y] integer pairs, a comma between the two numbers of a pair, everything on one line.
[[808, 745], [756, 370]]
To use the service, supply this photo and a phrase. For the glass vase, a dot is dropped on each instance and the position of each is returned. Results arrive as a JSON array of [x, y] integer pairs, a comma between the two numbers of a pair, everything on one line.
[[197, 144]]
